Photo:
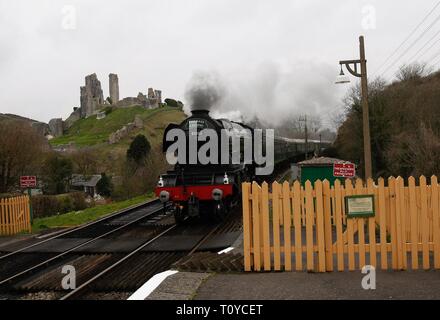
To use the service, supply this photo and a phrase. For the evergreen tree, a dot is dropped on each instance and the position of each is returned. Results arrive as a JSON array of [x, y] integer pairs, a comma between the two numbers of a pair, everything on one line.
[[105, 186], [139, 149]]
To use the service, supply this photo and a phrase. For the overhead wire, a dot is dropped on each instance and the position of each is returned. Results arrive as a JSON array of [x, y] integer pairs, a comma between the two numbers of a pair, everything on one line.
[[407, 38], [412, 45]]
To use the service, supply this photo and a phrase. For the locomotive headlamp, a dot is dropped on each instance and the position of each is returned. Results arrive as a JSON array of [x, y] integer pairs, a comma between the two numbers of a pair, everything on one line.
[[217, 194], [164, 196], [226, 179], [160, 183]]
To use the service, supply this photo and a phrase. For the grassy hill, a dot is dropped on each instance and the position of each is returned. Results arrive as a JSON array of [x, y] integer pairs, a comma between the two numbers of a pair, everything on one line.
[[92, 132]]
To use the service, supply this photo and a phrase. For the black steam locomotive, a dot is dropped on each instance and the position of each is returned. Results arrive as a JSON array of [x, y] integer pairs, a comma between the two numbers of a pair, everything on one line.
[[198, 188]]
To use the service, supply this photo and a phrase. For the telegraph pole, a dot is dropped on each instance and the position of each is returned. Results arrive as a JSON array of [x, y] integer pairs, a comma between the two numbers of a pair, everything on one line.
[[306, 135], [364, 92], [365, 111]]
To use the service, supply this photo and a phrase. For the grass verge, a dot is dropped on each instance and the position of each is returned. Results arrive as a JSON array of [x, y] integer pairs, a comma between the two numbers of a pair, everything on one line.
[[76, 218]]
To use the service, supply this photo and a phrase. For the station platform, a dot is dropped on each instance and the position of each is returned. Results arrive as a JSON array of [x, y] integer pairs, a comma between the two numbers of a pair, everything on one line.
[[405, 285], [390, 285]]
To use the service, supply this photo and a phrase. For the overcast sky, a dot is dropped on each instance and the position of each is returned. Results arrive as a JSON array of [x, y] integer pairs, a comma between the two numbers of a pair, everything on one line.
[[284, 52]]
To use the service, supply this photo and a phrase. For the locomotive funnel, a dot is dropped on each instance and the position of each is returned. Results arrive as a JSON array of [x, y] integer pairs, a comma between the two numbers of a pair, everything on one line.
[[200, 112]]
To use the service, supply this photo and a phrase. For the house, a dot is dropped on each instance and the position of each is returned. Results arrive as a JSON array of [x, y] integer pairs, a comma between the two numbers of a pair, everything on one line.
[[86, 183]]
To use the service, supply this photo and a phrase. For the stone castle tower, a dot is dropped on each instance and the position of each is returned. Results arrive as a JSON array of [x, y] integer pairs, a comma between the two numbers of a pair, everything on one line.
[[91, 95], [114, 88]]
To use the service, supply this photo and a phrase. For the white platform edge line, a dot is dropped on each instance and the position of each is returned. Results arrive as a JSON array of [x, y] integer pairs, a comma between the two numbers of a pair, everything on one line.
[[151, 285], [143, 292], [226, 250]]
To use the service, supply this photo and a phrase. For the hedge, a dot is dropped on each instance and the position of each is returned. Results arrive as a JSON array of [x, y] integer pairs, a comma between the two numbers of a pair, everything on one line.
[[46, 206]]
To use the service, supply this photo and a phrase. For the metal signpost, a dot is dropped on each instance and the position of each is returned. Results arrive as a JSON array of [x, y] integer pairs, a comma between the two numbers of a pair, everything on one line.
[[29, 182]]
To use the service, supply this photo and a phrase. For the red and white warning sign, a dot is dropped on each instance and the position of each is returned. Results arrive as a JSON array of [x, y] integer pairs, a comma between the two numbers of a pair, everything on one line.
[[344, 170], [28, 181]]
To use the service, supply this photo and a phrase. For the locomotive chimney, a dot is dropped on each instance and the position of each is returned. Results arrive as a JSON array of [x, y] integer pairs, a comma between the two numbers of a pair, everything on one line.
[[200, 112]]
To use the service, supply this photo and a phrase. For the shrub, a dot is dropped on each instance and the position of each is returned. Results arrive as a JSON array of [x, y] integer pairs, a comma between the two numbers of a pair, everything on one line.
[[171, 102], [79, 200], [65, 204], [44, 206], [108, 110]]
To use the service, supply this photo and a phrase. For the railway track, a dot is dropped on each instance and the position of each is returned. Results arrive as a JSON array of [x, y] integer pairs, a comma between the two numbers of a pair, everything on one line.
[[113, 274], [22, 263], [106, 272], [101, 226], [117, 278]]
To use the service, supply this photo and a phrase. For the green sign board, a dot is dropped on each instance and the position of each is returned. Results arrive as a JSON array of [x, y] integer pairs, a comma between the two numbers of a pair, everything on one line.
[[359, 206]]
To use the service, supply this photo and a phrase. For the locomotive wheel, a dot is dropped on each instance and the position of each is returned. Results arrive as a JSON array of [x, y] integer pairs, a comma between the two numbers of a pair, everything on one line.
[[179, 215]]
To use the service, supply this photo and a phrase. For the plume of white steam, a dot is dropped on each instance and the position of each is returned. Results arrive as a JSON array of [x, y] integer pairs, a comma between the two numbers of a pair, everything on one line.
[[268, 93]]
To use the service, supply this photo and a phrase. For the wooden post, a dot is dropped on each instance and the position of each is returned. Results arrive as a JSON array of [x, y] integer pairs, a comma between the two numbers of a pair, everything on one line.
[[414, 224], [361, 228], [365, 112], [297, 213], [435, 220], [372, 226], [30, 206], [328, 226], [246, 226], [320, 231], [350, 230], [309, 226], [256, 227], [393, 229], [424, 222], [266, 223], [276, 226], [383, 226], [287, 227], [339, 235]]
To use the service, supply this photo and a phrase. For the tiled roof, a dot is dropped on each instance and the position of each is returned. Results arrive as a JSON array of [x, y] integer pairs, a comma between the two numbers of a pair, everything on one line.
[[79, 180], [321, 161]]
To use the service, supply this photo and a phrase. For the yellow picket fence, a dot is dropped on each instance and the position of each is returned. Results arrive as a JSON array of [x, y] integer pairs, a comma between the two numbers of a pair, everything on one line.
[[307, 228], [14, 215]]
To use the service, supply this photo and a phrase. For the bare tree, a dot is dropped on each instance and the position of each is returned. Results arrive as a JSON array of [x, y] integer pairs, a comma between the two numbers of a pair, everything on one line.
[[21, 149], [85, 161], [413, 71]]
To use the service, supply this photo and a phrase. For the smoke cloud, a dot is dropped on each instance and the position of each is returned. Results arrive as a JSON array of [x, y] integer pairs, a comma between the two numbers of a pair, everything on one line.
[[205, 91], [270, 93]]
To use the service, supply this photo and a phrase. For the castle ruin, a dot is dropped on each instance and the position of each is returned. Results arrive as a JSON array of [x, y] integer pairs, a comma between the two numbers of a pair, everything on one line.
[[113, 87], [91, 96], [92, 100]]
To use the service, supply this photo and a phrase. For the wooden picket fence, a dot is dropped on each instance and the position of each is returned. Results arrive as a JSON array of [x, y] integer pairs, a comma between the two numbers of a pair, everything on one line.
[[307, 228], [15, 215]]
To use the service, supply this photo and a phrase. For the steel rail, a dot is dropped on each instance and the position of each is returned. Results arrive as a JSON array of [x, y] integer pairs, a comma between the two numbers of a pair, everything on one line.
[[26, 271], [84, 286], [76, 292], [89, 224]]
